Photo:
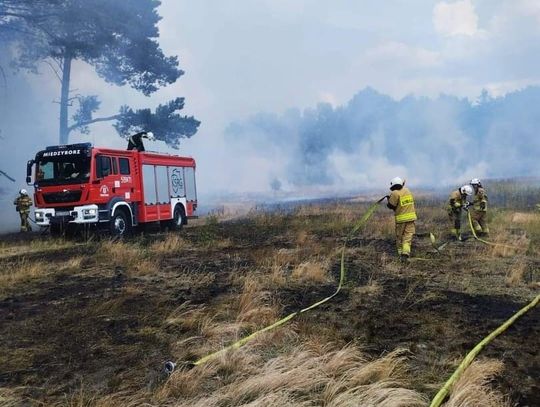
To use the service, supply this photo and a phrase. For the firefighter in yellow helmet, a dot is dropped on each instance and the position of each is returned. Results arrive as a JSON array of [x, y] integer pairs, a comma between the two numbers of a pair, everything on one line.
[[456, 203], [401, 201], [22, 204], [479, 212]]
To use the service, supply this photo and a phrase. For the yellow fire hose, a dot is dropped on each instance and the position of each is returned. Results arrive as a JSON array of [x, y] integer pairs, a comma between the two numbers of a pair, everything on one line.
[[282, 321], [441, 395], [485, 241]]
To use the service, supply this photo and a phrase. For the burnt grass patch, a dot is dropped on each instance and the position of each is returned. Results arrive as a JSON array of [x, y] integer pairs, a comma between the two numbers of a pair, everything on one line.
[[103, 327]]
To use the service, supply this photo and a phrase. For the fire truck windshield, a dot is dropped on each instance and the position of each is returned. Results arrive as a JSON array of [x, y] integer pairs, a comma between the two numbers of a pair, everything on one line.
[[57, 170]]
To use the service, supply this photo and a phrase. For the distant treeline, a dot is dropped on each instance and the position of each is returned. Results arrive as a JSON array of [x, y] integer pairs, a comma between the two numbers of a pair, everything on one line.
[[519, 194]]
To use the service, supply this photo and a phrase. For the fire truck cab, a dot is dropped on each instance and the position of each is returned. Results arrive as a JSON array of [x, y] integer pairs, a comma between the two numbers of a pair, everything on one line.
[[79, 184]]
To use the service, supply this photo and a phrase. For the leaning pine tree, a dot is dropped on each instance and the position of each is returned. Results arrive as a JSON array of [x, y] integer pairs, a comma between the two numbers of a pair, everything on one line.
[[118, 39]]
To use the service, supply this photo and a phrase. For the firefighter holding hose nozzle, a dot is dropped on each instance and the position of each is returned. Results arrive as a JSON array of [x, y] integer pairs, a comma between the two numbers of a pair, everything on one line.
[[401, 201], [22, 204], [456, 203]]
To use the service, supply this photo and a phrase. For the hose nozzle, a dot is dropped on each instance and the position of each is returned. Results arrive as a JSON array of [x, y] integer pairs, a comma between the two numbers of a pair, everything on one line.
[[169, 367]]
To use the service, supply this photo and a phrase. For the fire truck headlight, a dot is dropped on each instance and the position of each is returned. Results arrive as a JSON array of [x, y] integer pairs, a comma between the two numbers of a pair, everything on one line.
[[39, 216]]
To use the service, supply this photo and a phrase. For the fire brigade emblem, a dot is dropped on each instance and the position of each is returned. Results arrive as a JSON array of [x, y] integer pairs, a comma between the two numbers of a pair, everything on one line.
[[176, 181], [104, 190]]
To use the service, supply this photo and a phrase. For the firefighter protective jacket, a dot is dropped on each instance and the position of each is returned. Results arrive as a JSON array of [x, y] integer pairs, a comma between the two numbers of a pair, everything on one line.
[[480, 200], [455, 202], [23, 203], [403, 202]]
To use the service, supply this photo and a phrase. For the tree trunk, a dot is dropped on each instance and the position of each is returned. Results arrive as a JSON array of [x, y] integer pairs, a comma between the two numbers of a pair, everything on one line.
[[64, 99]]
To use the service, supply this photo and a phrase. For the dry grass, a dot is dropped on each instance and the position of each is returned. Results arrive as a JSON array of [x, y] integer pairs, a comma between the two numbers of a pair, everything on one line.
[[172, 244], [508, 245], [509, 239], [120, 253], [382, 227], [186, 316], [116, 305], [21, 271], [184, 382], [44, 245], [514, 276], [473, 388], [82, 398], [222, 244], [315, 271], [303, 237], [306, 264], [311, 375], [73, 264], [24, 270], [254, 304], [277, 276], [523, 218], [146, 267], [136, 258], [9, 398]]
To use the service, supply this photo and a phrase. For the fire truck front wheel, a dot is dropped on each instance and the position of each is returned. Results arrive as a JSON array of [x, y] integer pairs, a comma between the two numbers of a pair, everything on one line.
[[120, 225]]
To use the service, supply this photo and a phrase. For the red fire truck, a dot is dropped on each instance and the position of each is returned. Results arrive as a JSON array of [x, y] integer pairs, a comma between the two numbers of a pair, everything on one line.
[[118, 190]]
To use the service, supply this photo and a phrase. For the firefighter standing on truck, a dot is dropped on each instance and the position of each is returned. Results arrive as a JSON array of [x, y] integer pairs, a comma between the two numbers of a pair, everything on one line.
[[22, 204], [479, 212], [456, 203], [401, 201]]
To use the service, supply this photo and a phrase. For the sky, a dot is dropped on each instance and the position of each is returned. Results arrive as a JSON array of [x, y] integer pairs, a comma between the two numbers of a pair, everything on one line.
[[243, 57]]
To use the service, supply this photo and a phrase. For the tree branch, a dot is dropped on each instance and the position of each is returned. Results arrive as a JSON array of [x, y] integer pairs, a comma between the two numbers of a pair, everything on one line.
[[54, 70], [7, 176], [96, 120]]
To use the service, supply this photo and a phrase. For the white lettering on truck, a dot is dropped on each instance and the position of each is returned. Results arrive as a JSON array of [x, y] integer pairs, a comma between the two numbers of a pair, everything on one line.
[[60, 152]]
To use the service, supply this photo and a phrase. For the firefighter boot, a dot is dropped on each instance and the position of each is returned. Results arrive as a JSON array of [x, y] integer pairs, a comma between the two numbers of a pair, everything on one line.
[[455, 234], [23, 223]]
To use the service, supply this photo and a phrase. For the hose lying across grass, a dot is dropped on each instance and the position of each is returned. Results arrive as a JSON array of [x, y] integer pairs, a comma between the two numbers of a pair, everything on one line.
[[441, 395], [485, 241], [282, 321]]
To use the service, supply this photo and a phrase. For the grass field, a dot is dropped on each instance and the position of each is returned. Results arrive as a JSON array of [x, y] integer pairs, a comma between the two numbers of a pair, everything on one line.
[[92, 323]]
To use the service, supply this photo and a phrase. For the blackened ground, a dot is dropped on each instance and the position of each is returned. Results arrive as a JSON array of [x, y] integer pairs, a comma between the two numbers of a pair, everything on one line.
[[103, 328]]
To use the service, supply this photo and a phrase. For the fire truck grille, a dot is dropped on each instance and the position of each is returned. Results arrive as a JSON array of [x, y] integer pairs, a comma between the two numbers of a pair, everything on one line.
[[62, 197]]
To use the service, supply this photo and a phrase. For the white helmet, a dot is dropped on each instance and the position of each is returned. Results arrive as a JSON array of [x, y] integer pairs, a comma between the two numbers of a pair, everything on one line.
[[396, 181], [475, 181], [23, 192], [466, 190], [150, 136]]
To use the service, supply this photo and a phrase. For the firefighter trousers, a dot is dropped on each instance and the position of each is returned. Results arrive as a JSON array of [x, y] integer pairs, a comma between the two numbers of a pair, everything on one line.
[[479, 221], [404, 234], [25, 225], [455, 221]]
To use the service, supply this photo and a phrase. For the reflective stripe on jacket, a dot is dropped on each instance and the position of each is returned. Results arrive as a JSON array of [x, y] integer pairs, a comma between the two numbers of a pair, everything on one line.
[[403, 201]]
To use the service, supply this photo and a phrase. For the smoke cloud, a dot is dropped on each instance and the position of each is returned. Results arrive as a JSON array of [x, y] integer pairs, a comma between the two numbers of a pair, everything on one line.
[[430, 141]]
